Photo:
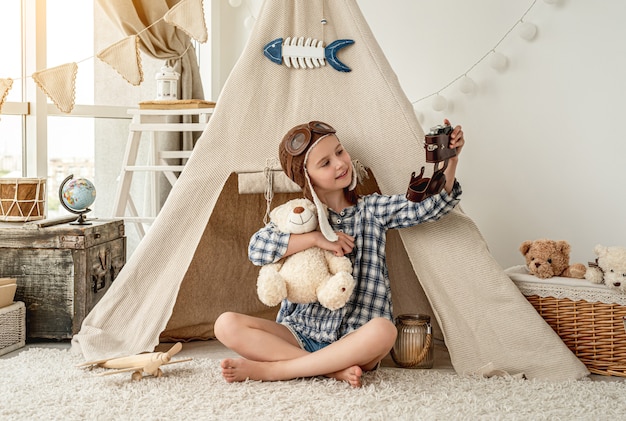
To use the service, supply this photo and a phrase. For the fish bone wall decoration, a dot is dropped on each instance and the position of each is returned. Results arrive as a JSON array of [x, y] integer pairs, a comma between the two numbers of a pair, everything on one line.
[[301, 53]]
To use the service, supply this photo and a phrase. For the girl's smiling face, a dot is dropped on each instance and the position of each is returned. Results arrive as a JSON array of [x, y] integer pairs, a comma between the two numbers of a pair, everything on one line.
[[329, 165]]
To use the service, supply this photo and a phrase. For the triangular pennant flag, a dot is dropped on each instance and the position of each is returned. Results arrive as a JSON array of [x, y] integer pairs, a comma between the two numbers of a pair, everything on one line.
[[188, 15], [124, 57], [59, 84], [5, 85]]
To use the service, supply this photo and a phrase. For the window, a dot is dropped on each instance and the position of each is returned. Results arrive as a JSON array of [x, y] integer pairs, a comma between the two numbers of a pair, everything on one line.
[[11, 67], [70, 139], [10, 146], [38, 140]]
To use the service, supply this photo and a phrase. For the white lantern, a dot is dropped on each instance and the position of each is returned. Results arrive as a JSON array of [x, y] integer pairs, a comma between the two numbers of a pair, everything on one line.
[[167, 83]]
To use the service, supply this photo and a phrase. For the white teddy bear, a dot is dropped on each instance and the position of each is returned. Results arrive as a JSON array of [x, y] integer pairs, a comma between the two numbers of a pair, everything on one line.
[[309, 275], [609, 267]]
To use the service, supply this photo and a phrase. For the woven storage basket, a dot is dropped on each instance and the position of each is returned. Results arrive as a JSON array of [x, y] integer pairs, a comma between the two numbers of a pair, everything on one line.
[[12, 327], [592, 329]]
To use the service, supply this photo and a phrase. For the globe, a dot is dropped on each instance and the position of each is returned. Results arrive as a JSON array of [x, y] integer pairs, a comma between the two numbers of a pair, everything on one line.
[[78, 194]]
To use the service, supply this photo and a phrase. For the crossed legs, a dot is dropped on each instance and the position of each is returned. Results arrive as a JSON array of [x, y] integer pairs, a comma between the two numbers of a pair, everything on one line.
[[270, 351]]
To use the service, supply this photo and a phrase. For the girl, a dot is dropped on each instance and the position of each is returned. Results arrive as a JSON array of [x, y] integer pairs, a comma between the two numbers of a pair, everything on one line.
[[307, 339]]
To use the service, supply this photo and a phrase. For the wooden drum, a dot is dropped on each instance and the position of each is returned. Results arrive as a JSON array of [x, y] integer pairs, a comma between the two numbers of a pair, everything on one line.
[[22, 199]]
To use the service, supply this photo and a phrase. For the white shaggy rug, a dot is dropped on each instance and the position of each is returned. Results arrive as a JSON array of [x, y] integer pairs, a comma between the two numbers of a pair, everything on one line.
[[44, 384]]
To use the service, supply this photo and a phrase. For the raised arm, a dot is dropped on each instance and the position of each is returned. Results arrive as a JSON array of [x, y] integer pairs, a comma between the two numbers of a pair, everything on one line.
[[457, 140]]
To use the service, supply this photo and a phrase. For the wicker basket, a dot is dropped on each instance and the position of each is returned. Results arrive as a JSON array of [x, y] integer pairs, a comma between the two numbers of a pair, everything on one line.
[[12, 327], [594, 332], [593, 328]]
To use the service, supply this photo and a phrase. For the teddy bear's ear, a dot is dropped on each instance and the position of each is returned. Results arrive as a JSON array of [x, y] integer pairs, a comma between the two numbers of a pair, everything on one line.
[[525, 247], [563, 246], [274, 213], [600, 249], [309, 205], [277, 214]]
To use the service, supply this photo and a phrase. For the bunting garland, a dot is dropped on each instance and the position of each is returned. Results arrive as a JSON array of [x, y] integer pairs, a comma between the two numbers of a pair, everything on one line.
[[184, 16], [120, 56], [59, 83], [5, 85]]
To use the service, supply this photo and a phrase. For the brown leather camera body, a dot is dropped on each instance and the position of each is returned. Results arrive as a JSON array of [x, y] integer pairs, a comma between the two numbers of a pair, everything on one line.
[[438, 147]]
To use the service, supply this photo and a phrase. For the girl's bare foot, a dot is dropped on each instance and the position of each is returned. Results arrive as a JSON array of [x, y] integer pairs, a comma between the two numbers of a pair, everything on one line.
[[241, 369], [351, 375]]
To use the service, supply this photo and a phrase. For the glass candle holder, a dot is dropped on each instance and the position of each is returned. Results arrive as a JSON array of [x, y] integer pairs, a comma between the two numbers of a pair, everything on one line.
[[414, 347]]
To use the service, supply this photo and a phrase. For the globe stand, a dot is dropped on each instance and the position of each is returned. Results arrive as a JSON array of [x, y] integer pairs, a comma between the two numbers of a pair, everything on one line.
[[81, 213], [81, 217]]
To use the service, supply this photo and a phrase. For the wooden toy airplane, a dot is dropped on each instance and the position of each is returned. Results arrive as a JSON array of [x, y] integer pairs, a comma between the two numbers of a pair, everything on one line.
[[149, 363]]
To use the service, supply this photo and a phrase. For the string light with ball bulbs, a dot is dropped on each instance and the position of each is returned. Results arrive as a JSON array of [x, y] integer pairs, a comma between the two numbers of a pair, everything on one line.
[[466, 85], [248, 22], [497, 61]]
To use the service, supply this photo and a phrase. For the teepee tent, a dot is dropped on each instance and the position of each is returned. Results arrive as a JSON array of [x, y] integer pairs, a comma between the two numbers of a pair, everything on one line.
[[192, 264]]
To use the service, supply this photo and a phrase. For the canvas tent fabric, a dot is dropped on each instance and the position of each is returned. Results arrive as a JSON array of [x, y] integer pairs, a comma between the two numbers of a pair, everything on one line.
[[483, 316]]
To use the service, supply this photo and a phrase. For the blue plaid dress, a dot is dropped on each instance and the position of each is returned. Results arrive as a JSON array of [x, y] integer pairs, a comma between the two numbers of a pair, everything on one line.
[[367, 222]]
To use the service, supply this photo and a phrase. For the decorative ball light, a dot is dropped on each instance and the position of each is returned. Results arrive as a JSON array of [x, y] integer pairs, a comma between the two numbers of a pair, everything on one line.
[[467, 85], [440, 103], [234, 3], [527, 31], [248, 23], [498, 61]]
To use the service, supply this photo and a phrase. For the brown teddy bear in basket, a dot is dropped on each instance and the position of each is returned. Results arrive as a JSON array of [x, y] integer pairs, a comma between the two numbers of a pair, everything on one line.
[[547, 258]]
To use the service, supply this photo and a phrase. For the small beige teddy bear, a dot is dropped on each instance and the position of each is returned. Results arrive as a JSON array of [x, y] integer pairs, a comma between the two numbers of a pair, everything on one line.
[[609, 267], [547, 258], [309, 275]]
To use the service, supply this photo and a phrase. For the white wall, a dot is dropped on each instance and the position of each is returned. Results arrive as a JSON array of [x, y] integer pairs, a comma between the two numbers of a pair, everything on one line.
[[546, 151], [229, 31]]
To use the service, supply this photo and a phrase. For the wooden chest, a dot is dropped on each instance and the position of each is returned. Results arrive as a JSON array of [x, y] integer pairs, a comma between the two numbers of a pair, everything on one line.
[[62, 271]]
